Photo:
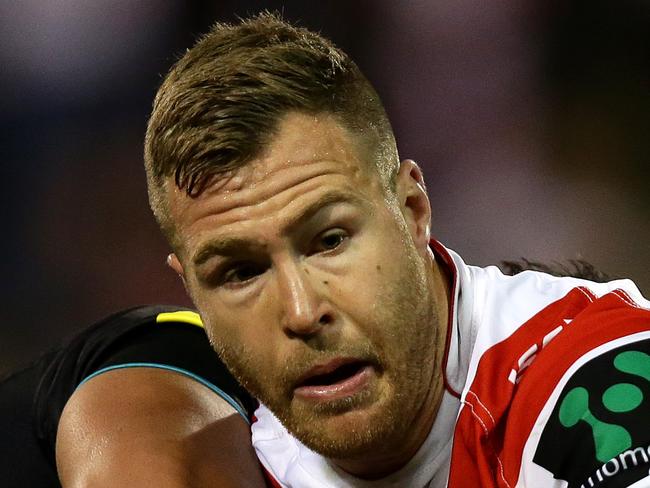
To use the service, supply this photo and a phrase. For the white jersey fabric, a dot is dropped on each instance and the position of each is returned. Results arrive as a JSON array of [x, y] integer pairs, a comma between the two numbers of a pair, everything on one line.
[[506, 337]]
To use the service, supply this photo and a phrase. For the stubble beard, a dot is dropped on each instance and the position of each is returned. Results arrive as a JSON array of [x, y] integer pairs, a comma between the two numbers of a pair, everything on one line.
[[375, 419]]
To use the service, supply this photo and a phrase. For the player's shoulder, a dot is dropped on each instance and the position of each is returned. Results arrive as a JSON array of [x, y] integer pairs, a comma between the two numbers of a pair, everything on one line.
[[111, 333], [163, 337], [593, 428], [34, 396], [149, 314], [502, 303], [111, 336], [533, 317], [586, 397], [537, 288], [564, 363]]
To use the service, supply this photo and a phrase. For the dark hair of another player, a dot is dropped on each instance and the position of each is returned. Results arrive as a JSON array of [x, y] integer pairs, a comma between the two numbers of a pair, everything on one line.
[[576, 268], [220, 104]]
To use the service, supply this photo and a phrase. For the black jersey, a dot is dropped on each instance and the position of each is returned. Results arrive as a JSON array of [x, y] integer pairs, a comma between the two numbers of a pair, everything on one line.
[[31, 400]]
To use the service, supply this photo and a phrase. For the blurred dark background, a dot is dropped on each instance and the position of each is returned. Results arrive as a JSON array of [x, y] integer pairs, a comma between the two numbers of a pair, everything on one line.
[[531, 121]]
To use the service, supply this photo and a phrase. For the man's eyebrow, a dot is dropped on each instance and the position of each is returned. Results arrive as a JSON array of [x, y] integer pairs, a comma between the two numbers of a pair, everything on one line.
[[228, 246]]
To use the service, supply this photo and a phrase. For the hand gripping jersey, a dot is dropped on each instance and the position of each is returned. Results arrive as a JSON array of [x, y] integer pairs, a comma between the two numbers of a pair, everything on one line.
[[547, 385]]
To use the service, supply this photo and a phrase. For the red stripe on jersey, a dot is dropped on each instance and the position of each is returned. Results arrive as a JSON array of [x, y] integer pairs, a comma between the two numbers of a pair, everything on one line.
[[515, 378], [440, 251], [271, 482]]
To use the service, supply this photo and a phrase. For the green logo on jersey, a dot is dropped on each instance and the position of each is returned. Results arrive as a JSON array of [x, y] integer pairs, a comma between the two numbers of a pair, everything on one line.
[[609, 439], [596, 429]]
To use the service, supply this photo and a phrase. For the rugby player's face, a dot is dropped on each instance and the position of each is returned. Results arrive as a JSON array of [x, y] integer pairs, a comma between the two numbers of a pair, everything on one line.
[[314, 283]]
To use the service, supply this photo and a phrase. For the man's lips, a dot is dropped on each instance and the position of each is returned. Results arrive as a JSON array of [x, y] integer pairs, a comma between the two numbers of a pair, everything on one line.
[[335, 379]]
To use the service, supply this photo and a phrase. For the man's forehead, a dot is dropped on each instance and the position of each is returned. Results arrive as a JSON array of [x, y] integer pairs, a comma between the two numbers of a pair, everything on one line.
[[299, 140], [303, 148]]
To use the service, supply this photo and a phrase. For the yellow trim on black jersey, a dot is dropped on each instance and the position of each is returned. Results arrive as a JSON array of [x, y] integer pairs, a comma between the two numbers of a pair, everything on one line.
[[185, 316]]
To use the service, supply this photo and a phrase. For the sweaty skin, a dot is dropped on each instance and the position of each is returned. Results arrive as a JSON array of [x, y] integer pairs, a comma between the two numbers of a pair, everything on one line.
[[141, 427], [303, 260]]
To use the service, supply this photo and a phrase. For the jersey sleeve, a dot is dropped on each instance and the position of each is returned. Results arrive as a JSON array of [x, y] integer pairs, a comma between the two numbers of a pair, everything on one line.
[[178, 347], [159, 337], [596, 430], [563, 402]]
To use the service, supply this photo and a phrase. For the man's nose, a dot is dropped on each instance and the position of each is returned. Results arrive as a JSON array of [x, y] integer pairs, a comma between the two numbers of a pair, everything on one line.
[[305, 311]]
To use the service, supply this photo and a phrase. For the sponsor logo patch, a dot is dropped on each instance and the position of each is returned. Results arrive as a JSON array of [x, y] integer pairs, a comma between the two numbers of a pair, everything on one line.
[[598, 434]]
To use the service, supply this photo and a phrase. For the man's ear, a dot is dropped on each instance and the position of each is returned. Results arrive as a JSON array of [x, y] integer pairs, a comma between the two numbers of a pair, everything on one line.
[[174, 263], [414, 203]]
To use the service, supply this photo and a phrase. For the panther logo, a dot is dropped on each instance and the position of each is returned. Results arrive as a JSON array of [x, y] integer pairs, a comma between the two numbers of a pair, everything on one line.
[[598, 434]]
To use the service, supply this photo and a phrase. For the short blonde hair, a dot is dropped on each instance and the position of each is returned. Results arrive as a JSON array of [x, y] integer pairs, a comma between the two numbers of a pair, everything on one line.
[[222, 101]]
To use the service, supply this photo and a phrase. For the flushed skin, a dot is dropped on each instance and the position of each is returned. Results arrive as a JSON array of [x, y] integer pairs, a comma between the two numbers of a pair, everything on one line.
[[303, 259]]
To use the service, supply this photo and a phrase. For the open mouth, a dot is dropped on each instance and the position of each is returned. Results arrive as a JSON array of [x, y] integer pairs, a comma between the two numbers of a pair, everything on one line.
[[340, 374], [332, 382]]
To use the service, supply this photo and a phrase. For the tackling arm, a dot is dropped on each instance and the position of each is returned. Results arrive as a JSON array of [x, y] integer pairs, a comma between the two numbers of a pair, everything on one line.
[[139, 427]]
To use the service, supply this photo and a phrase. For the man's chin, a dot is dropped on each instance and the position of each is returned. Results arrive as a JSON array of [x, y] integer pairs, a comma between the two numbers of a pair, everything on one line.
[[343, 428], [345, 438]]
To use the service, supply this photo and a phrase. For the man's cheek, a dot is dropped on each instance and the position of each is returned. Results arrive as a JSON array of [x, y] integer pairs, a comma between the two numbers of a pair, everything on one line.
[[256, 376], [354, 289], [245, 354]]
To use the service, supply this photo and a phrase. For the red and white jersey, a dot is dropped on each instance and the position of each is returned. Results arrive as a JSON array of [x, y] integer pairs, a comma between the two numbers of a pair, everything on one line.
[[547, 386]]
